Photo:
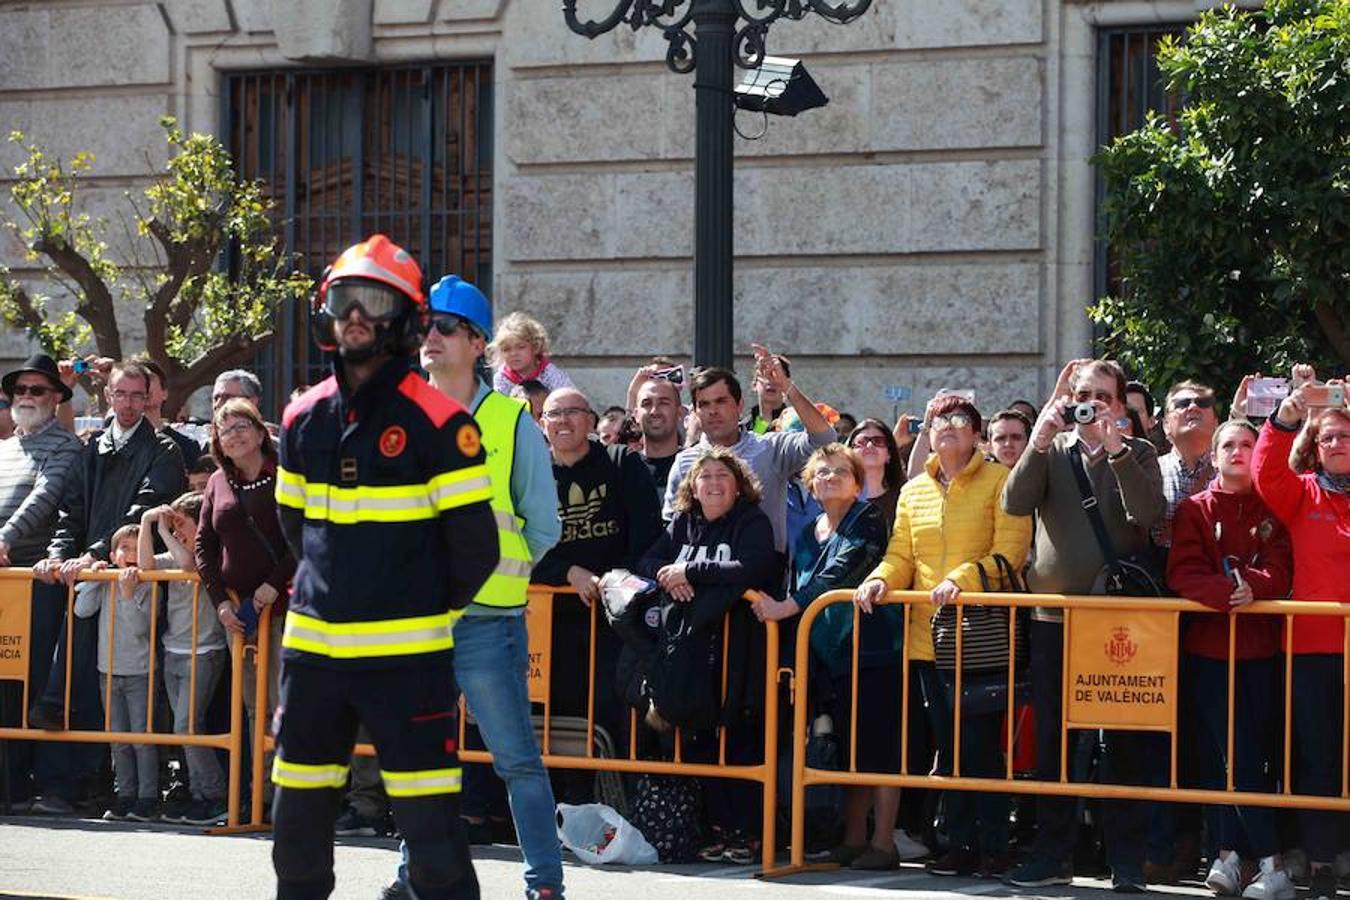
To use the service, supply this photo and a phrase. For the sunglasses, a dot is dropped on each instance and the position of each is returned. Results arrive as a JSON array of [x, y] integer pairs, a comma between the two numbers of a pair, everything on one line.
[[1184, 402], [870, 440], [31, 390], [955, 420], [376, 302], [446, 325]]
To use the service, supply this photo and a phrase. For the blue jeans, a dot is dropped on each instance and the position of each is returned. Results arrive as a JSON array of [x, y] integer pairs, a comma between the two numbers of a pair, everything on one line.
[[490, 665]]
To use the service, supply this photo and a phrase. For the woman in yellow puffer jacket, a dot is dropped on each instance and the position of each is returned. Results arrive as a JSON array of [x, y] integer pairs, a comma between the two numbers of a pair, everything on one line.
[[948, 522]]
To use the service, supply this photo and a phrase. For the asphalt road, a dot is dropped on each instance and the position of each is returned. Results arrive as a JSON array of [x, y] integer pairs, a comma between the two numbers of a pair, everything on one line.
[[80, 858]]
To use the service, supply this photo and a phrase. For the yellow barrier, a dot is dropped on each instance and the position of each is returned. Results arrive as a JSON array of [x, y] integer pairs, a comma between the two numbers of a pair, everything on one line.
[[539, 622], [1092, 612], [15, 616]]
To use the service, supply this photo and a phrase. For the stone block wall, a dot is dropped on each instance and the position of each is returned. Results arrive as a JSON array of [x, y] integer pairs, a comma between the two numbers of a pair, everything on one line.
[[930, 227]]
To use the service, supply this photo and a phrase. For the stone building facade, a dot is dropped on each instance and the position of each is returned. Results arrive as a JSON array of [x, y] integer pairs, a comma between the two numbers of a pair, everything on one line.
[[932, 226]]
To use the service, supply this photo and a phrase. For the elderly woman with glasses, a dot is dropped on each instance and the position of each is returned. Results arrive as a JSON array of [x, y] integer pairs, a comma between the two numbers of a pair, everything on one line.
[[1315, 507], [949, 524], [835, 553]]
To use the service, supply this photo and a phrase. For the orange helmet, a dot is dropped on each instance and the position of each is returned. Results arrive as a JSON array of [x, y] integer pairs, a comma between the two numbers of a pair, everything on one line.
[[371, 275], [378, 259]]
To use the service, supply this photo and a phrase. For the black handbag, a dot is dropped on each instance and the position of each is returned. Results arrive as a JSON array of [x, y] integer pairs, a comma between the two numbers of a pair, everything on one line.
[[1121, 576], [984, 629]]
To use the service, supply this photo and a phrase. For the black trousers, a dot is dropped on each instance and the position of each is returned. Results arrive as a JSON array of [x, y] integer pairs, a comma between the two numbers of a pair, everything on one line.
[[411, 714]]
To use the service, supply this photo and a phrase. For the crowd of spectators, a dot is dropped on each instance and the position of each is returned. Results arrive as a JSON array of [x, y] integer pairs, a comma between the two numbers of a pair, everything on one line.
[[1096, 491]]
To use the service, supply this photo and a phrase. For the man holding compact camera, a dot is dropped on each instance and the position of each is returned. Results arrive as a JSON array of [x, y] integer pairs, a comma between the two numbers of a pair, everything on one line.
[[1080, 428]]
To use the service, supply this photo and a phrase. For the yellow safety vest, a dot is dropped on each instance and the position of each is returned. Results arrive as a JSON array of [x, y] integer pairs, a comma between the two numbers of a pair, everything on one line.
[[497, 416]]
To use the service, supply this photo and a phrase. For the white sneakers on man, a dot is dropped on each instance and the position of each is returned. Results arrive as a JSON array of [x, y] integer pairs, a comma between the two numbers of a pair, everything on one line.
[[1225, 876], [1270, 883]]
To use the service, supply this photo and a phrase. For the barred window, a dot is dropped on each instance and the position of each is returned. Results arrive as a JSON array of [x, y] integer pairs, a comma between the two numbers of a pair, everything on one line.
[[404, 151]]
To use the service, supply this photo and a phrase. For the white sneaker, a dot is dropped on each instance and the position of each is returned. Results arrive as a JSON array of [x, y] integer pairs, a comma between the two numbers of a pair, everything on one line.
[[908, 848], [1270, 883], [1225, 876]]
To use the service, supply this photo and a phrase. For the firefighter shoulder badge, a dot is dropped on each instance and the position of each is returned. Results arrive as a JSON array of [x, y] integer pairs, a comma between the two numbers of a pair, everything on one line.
[[467, 440], [393, 441]]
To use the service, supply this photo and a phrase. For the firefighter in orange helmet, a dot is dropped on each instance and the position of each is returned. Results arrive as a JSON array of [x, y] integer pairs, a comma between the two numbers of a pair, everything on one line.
[[384, 496]]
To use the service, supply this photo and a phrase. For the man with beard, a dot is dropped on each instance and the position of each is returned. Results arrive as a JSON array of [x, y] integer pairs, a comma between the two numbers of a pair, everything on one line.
[[658, 413], [35, 464], [383, 494]]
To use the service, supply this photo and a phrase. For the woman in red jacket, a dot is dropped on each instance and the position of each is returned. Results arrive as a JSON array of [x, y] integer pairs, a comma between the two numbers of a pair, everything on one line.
[[1315, 507], [1228, 550]]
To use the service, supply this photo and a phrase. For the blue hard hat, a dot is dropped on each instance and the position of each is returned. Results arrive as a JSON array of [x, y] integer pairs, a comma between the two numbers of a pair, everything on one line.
[[456, 296]]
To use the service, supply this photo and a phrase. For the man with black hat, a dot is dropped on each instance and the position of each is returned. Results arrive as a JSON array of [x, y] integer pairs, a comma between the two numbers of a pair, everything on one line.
[[35, 465], [34, 462]]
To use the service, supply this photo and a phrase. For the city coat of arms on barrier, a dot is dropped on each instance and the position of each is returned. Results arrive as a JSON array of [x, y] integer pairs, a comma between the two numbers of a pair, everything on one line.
[[1120, 649]]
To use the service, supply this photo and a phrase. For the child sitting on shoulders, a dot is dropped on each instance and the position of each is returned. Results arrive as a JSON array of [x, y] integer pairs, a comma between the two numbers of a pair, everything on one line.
[[520, 350], [177, 528], [124, 660]]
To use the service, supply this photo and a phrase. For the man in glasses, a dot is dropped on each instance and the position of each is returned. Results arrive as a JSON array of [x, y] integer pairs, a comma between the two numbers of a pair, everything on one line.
[[1080, 426], [122, 471], [1190, 417], [383, 495], [491, 645]]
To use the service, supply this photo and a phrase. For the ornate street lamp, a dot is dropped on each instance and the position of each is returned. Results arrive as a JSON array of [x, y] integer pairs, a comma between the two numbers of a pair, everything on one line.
[[726, 33]]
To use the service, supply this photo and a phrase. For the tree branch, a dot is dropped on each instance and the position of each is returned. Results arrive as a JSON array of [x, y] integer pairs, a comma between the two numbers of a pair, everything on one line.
[[1334, 330], [28, 314], [97, 306]]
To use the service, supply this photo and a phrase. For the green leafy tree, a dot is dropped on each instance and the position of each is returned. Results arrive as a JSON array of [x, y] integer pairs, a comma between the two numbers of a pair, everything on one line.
[[1231, 224], [199, 319]]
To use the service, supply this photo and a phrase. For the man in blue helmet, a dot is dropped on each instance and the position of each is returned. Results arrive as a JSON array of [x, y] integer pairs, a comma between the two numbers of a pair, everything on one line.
[[490, 640]]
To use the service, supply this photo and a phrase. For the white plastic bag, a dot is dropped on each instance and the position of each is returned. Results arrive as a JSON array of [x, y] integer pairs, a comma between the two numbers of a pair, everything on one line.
[[597, 834]]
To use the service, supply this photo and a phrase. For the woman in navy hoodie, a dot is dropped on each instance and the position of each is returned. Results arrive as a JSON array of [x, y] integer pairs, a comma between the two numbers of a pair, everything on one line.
[[1228, 549], [719, 545]]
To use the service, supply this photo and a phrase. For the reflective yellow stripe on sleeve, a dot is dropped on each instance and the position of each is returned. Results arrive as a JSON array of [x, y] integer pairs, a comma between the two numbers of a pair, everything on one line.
[[460, 487], [363, 640], [307, 777], [422, 784], [290, 489]]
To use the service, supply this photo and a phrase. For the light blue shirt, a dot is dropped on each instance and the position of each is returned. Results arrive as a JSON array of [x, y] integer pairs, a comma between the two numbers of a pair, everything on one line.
[[533, 492]]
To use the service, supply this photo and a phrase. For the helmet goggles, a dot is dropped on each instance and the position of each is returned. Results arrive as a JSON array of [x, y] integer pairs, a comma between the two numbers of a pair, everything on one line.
[[376, 302]]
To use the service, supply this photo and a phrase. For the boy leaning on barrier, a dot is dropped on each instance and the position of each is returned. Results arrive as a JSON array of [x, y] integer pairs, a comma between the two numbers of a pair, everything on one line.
[[124, 659], [176, 525]]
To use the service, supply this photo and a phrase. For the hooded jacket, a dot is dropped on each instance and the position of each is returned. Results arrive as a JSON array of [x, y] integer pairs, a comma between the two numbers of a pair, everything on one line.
[[1208, 527]]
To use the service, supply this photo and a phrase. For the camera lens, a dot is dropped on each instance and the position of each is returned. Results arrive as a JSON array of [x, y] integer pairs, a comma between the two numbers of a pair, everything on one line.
[[1084, 413]]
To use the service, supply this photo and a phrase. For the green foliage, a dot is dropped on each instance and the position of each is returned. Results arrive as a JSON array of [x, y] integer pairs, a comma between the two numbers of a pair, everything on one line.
[[195, 216], [1232, 225]]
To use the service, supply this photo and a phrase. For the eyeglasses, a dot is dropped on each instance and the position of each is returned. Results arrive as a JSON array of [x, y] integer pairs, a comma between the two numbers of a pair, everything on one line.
[[870, 440], [955, 420], [377, 302], [237, 428], [554, 415], [1180, 403], [446, 325], [31, 390], [132, 396], [832, 472], [1331, 437]]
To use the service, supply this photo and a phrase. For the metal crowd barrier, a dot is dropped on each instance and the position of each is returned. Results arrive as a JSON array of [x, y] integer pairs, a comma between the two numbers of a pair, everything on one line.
[[539, 623], [16, 649], [1087, 620]]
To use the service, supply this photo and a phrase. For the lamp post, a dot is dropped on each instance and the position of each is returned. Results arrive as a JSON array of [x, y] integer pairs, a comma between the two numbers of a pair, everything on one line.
[[725, 33]]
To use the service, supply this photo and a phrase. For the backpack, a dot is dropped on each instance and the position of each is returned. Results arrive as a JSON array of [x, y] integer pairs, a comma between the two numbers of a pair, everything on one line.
[[684, 673]]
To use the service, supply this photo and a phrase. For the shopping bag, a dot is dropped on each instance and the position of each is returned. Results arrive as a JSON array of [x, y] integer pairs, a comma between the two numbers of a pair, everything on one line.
[[597, 834]]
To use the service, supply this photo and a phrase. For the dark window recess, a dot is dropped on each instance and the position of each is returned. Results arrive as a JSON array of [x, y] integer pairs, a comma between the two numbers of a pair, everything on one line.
[[1129, 85], [345, 154]]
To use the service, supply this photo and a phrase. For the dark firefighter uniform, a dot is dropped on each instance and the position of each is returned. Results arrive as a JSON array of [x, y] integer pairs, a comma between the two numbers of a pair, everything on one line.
[[384, 494]]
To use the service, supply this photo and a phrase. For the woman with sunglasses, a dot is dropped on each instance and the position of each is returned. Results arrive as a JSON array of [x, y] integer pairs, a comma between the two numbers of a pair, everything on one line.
[[950, 522], [883, 470], [1315, 507]]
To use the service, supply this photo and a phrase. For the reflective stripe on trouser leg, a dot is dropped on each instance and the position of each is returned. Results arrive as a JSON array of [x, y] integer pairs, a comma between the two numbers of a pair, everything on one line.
[[424, 783]]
